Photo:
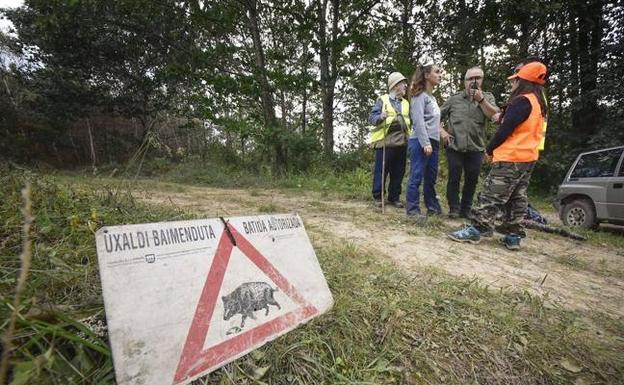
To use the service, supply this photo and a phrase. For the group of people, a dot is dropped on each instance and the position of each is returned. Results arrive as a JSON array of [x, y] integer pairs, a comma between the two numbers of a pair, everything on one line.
[[407, 121]]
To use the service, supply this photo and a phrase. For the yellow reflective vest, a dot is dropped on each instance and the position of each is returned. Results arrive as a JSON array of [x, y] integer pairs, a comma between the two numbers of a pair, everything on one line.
[[381, 130], [542, 143]]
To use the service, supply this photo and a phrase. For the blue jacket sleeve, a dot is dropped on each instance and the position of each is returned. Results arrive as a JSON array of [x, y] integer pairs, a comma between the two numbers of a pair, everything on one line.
[[374, 117], [417, 115], [517, 112]]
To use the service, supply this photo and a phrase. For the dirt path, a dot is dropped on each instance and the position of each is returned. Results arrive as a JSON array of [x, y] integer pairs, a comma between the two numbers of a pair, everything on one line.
[[567, 273]]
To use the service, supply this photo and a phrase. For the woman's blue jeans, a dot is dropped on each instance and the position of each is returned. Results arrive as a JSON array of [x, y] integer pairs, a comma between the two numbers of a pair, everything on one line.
[[422, 168]]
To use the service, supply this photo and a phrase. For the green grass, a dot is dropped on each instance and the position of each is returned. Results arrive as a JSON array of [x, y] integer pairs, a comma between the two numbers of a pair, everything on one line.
[[572, 261], [600, 267], [351, 185], [56, 341], [605, 236], [269, 208], [387, 326]]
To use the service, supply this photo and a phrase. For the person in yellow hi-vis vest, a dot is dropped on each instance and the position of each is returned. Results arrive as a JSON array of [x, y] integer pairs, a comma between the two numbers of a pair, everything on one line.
[[390, 116]]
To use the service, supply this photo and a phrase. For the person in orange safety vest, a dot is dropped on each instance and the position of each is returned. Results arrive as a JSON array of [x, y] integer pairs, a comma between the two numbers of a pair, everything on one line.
[[513, 150]]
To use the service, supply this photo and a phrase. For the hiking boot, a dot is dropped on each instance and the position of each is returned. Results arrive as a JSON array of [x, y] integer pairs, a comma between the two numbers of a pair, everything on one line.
[[418, 219], [511, 241], [453, 214], [377, 203], [465, 214], [396, 204], [468, 234]]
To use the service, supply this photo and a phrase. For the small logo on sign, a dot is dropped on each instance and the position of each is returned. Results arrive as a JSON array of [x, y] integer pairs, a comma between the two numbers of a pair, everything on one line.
[[150, 258]]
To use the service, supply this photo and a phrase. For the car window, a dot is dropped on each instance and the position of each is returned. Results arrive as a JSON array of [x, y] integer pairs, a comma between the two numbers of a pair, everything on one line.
[[597, 164]]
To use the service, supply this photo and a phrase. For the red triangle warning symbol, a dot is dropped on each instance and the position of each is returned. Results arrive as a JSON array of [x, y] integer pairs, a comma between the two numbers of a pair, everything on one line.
[[194, 359]]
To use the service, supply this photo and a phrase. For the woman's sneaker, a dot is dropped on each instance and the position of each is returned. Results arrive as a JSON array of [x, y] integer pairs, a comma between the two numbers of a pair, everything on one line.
[[468, 234], [511, 241]]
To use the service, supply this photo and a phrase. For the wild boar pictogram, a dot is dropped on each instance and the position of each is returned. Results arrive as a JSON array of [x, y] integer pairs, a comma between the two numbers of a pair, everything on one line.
[[248, 298]]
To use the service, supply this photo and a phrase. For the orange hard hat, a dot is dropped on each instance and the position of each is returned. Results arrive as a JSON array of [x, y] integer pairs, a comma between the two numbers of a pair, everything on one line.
[[535, 72]]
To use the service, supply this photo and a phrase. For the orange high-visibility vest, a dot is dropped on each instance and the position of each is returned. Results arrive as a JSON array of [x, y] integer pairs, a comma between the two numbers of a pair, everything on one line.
[[522, 145]]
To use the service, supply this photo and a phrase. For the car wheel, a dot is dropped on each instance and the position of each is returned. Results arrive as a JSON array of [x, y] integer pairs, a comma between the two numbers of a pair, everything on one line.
[[580, 213]]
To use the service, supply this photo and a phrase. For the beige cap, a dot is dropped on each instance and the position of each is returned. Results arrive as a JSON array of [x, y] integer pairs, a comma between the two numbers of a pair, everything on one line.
[[394, 79]]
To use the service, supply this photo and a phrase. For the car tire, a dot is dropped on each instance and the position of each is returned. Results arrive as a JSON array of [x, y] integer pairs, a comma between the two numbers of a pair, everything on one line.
[[579, 213]]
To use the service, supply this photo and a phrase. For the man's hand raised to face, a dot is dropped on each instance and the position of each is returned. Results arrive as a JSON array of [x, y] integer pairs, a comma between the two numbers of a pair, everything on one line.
[[477, 95]]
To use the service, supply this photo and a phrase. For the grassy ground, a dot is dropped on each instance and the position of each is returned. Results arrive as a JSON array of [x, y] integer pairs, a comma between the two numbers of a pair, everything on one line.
[[352, 185], [387, 327], [59, 337]]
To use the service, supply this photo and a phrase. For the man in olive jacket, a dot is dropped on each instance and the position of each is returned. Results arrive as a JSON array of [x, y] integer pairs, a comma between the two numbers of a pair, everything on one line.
[[466, 114]]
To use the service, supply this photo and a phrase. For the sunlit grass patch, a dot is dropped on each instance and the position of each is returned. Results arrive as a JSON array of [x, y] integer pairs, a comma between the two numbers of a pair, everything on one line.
[[270, 208], [389, 327], [255, 193], [573, 261]]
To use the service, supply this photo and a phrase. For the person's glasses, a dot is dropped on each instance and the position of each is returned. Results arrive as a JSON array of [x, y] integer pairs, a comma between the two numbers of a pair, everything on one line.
[[473, 78]]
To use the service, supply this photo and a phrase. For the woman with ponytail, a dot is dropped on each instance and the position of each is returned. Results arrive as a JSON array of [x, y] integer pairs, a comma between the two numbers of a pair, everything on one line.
[[424, 142]]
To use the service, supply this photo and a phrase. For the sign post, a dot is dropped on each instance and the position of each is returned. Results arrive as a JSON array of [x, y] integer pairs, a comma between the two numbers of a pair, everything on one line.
[[184, 298]]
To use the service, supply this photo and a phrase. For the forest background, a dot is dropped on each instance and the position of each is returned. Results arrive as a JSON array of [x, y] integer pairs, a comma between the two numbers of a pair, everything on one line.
[[264, 87], [243, 95]]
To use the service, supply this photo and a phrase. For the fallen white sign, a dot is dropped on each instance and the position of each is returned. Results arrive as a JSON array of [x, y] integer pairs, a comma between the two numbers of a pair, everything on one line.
[[184, 298]]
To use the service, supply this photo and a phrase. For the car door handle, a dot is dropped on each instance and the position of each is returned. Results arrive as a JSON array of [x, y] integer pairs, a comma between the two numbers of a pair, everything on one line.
[[618, 185]]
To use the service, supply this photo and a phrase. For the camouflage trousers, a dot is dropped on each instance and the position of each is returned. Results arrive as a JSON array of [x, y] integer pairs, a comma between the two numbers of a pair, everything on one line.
[[504, 197]]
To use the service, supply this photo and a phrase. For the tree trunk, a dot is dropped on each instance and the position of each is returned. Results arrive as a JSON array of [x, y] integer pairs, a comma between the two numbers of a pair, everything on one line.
[[408, 48], [266, 94], [91, 146], [74, 147], [328, 61], [304, 105], [525, 37], [464, 56], [242, 143], [205, 141], [589, 35], [328, 118], [284, 108]]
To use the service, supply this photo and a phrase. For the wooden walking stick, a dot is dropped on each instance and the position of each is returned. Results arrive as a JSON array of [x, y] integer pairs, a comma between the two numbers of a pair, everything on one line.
[[383, 175], [383, 167]]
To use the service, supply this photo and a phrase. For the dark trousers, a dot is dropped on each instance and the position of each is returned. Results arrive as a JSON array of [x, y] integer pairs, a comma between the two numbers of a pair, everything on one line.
[[468, 163], [395, 169]]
